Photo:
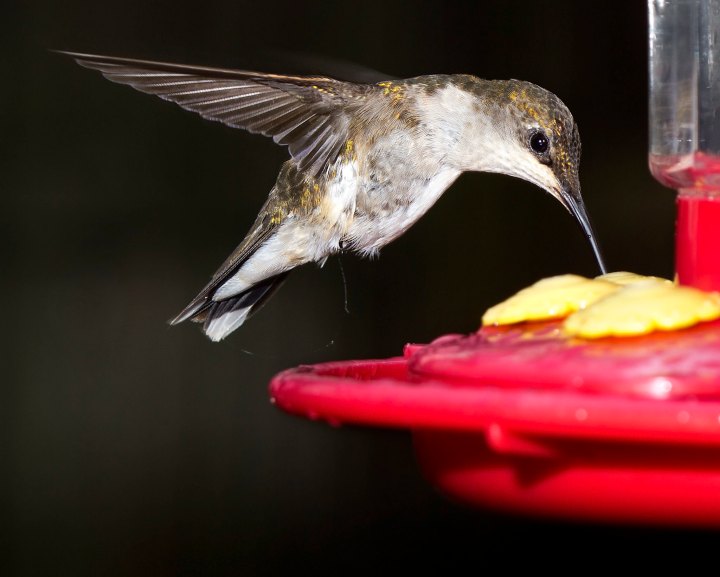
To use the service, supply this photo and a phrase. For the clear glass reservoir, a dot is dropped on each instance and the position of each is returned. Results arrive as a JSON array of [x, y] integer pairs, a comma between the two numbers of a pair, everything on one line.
[[684, 127]]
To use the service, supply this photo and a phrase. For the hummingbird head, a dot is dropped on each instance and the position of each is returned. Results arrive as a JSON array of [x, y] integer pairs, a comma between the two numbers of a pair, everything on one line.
[[546, 137], [532, 136]]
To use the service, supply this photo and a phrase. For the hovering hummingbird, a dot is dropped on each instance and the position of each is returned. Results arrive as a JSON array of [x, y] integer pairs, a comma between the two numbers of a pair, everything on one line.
[[366, 160]]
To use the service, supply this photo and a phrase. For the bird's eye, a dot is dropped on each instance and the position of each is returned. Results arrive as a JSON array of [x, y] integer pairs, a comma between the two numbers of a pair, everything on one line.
[[539, 143]]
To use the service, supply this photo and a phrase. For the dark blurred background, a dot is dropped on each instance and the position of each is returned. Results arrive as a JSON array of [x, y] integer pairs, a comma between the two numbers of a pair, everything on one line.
[[133, 448]]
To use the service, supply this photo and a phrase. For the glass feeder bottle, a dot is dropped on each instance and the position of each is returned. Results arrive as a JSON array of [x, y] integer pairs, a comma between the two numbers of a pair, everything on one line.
[[684, 126]]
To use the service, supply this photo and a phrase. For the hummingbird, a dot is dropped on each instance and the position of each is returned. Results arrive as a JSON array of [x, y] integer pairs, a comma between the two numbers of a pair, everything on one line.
[[367, 160]]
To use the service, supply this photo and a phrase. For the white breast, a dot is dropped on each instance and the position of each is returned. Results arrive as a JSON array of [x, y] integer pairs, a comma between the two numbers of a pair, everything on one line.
[[301, 239], [373, 229]]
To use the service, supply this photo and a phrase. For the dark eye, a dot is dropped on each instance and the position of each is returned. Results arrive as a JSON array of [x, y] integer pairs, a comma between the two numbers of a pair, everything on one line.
[[539, 143]]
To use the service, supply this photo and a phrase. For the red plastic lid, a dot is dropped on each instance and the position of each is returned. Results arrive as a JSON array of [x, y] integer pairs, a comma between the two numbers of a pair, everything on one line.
[[661, 365], [530, 377]]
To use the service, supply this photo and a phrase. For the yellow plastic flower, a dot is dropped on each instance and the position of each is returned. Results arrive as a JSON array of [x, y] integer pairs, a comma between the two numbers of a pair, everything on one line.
[[643, 307], [624, 278], [619, 304], [550, 298]]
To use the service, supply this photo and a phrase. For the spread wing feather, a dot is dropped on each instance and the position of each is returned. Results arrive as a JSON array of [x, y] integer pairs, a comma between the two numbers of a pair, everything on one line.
[[310, 115]]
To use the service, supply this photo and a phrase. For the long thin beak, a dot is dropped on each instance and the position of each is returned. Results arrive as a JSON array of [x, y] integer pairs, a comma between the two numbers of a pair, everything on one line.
[[575, 205]]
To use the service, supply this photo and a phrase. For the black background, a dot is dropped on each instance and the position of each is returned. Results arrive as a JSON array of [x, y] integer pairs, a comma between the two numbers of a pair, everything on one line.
[[133, 448]]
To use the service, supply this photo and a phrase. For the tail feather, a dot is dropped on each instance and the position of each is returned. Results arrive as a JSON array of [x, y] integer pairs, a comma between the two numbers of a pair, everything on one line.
[[220, 318]]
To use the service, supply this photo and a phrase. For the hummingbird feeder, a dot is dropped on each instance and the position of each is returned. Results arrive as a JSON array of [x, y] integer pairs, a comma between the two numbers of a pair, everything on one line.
[[518, 419]]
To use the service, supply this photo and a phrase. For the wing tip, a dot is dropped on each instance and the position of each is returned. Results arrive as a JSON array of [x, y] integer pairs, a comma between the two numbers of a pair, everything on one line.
[[195, 308], [81, 56], [220, 318]]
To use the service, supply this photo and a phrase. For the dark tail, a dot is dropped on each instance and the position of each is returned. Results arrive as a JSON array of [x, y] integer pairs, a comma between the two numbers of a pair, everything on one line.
[[220, 318]]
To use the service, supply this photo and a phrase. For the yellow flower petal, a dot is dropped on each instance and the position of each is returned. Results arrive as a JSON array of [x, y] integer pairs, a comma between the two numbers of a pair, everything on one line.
[[643, 307], [625, 278], [550, 298]]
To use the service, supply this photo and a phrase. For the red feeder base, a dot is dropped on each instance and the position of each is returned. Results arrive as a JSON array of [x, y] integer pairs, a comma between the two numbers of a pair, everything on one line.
[[525, 421]]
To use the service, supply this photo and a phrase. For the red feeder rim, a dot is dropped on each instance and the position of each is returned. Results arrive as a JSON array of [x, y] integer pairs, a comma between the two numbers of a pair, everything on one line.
[[525, 420]]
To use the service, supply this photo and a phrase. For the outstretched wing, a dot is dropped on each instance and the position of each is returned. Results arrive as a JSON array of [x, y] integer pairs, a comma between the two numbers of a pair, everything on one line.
[[311, 115]]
